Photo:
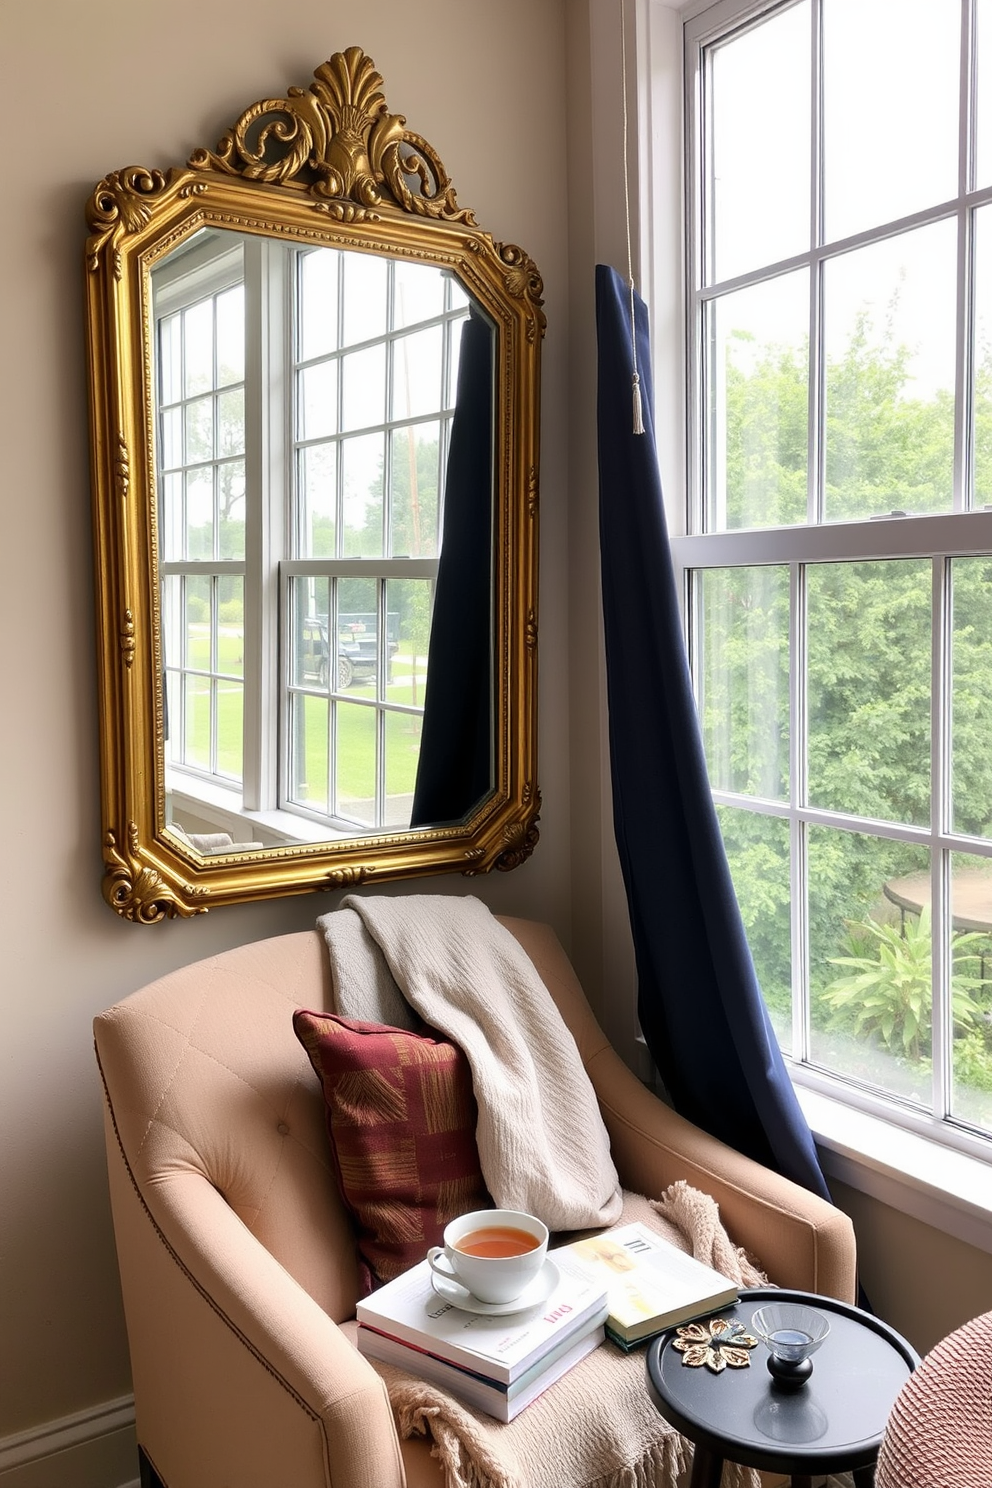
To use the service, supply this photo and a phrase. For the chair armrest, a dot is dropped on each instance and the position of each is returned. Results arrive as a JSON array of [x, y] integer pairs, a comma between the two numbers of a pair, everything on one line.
[[239, 1375], [798, 1238]]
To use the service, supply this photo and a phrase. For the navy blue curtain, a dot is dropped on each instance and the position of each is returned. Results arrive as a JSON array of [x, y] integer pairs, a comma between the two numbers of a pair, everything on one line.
[[699, 1004], [455, 769]]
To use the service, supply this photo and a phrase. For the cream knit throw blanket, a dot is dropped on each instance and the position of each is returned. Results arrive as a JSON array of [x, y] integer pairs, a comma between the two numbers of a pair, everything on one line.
[[543, 1147], [596, 1427]]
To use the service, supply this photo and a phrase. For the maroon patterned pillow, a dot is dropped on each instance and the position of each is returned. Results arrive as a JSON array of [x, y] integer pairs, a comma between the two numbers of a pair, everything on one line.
[[401, 1117]]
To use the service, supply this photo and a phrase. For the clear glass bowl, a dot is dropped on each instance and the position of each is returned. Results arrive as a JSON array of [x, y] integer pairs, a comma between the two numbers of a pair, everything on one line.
[[790, 1330]]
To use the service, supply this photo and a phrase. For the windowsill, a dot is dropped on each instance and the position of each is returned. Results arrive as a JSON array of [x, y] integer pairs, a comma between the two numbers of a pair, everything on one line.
[[221, 808], [949, 1190]]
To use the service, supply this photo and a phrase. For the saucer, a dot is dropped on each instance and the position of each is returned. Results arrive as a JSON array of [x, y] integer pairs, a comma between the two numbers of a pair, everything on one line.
[[536, 1292]]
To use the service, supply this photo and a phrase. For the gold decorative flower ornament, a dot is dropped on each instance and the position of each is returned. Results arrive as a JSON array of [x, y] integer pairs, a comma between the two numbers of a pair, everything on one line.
[[717, 1344]]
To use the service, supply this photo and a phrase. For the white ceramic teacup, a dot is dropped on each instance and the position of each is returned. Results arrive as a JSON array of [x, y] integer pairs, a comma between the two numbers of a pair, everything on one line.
[[491, 1277]]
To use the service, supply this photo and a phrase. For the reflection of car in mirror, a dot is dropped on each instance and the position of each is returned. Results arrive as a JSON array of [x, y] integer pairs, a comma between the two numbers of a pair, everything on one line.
[[358, 649]]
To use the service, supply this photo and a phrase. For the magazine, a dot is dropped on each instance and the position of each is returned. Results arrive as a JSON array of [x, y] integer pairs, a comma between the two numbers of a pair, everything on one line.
[[652, 1285], [501, 1348], [499, 1400]]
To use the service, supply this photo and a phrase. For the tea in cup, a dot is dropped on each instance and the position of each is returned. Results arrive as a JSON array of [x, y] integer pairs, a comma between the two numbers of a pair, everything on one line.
[[492, 1253]]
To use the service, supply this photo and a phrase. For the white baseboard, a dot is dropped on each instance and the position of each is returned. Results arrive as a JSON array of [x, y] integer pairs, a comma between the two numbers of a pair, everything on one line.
[[94, 1447]]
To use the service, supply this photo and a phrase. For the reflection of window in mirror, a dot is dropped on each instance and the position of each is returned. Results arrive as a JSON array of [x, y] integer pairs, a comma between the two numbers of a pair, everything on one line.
[[300, 515]]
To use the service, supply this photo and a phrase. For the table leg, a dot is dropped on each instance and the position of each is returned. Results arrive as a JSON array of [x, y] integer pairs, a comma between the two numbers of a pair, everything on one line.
[[801, 1480], [864, 1477], [707, 1468]]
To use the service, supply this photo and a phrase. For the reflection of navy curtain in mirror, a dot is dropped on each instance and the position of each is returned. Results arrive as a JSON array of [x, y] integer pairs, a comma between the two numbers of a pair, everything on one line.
[[455, 767], [699, 1004]]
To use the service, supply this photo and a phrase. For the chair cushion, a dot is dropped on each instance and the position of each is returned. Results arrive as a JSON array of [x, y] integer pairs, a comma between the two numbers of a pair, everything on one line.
[[401, 1118]]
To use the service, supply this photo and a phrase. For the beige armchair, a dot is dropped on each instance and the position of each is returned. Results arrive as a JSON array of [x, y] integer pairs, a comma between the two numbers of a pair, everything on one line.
[[237, 1262]]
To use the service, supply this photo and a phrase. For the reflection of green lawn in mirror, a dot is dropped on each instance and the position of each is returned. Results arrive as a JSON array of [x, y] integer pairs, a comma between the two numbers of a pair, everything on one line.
[[355, 766]]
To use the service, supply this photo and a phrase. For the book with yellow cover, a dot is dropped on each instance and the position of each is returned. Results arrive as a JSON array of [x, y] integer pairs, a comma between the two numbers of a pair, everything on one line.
[[651, 1284]]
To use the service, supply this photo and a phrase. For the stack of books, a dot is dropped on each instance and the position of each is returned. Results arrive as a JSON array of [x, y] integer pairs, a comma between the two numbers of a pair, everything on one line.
[[497, 1363], [651, 1284]]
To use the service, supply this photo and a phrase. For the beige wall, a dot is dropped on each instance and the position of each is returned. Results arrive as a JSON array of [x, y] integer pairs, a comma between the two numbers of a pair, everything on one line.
[[923, 1282], [89, 88]]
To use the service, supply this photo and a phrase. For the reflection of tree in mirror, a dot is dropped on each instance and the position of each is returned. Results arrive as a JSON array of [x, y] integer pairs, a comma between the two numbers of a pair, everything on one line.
[[413, 503]]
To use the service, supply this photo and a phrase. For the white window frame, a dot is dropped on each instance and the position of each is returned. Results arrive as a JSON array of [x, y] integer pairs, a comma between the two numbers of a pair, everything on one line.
[[860, 1148]]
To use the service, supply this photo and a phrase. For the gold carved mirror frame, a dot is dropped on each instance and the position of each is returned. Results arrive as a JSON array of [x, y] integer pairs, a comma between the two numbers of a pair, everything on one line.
[[328, 166]]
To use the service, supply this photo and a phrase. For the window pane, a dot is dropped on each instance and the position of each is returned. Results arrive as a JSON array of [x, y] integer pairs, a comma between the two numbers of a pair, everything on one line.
[[402, 753], [317, 400], [357, 631], [870, 960], [417, 373], [318, 307], [197, 719], [231, 502], [408, 603], [172, 438], [869, 689], [199, 430], [760, 137], [309, 770], [231, 336], [418, 293], [364, 298], [200, 514], [744, 678], [361, 475], [889, 347], [230, 728], [197, 651], [983, 357], [971, 988], [317, 494], [413, 514], [231, 627], [971, 701], [890, 109], [171, 520], [758, 853], [363, 387], [170, 346], [198, 331], [356, 762], [983, 94], [757, 405], [231, 422], [309, 606]]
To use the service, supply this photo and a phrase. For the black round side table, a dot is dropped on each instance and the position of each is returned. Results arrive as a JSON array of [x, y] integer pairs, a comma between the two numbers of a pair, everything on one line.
[[834, 1423]]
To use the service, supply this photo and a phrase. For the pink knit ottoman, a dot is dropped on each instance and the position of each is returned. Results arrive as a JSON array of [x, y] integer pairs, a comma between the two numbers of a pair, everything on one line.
[[939, 1434]]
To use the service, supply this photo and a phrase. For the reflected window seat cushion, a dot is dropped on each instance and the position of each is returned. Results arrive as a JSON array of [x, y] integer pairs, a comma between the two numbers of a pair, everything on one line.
[[401, 1118]]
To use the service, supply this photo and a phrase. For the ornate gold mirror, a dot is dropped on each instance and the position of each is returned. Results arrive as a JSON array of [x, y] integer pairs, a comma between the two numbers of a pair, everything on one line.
[[314, 403]]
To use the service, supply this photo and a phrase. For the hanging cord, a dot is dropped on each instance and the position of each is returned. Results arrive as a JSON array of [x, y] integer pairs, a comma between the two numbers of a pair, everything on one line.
[[638, 411]]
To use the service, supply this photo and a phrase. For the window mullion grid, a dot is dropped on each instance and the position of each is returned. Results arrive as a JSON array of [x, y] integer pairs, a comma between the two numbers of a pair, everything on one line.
[[940, 821], [798, 854]]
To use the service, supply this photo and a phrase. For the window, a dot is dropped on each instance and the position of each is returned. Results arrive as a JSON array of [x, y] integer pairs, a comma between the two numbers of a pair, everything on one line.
[[330, 581], [837, 564]]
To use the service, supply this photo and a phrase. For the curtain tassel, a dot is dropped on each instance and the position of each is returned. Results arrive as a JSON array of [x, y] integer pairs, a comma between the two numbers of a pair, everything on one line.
[[638, 414]]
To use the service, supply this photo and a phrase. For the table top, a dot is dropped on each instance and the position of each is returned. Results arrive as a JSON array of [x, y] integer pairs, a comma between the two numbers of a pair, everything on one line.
[[971, 896], [834, 1423]]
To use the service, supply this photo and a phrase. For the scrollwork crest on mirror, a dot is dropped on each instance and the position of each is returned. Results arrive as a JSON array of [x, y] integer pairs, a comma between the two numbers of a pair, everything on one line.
[[314, 385]]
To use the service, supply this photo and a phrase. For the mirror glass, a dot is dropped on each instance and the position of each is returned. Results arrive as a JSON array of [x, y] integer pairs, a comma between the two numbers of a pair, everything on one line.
[[307, 400], [314, 387]]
